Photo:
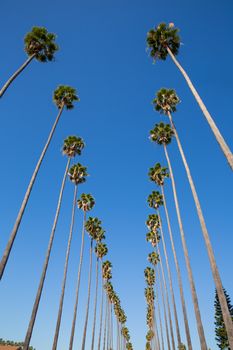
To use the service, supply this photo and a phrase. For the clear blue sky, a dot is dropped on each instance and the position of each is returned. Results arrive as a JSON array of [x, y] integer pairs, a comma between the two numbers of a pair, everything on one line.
[[103, 54]]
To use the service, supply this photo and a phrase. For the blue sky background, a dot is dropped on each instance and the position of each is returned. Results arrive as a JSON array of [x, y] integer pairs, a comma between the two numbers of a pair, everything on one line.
[[103, 54]]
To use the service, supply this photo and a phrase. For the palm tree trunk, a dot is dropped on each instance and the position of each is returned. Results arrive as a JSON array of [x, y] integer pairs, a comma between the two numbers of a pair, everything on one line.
[[88, 299], [78, 284], [217, 279], [12, 78], [160, 319], [156, 331], [105, 322], [46, 262], [187, 331], [95, 304], [170, 282], [226, 150], [101, 310], [187, 260], [55, 340], [26, 198]]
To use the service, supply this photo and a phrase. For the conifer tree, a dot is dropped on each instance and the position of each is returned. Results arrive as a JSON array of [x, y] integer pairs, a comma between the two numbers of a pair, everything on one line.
[[220, 329]]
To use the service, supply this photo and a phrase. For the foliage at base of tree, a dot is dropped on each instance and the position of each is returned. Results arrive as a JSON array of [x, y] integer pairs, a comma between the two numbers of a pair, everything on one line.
[[13, 343]]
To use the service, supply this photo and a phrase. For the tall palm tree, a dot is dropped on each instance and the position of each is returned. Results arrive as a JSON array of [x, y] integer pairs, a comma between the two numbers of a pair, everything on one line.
[[155, 200], [163, 102], [101, 250], [95, 231], [162, 134], [106, 276], [158, 174], [39, 44], [77, 175], [85, 203], [64, 96], [70, 149], [164, 40]]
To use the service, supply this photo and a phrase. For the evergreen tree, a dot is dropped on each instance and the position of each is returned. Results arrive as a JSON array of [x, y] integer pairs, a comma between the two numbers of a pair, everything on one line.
[[220, 329]]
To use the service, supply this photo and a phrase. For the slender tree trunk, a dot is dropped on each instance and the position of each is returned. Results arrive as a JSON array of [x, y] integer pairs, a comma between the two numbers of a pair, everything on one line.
[[26, 198], [187, 260], [88, 298], [156, 331], [95, 304], [170, 282], [164, 311], [101, 310], [160, 319], [217, 279], [46, 262], [12, 78], [226, 150], [78, 284], [187, 331], [56, 335], [105, 322]]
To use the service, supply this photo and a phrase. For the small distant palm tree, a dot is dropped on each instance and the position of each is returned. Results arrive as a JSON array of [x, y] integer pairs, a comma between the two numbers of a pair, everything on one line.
[[39, 44], [85, 203], [162, 134], [164, 40], [64, 96], [70, 150], [77, 175], [155, 200], [164, 99]]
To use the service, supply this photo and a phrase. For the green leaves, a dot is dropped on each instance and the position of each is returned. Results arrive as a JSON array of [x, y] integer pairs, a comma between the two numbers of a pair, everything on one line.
[[155, 200], [160, 38], [153, 258], [41, 43], [101, 250], [157, 174], [162, 134], [65, 95], [165, 101], [149, 274], [86, 202], [72, 146], [107, 270], [78, 174]]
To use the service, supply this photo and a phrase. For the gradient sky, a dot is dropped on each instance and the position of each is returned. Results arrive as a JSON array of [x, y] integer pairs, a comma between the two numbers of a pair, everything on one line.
[[103, 54]]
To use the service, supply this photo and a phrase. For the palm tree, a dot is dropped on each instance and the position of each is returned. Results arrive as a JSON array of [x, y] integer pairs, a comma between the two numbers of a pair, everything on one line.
[[86, 203], [165, 40], [162, 101], [162, 134], [39, 44], [158, 174], [106, 276], [64, 96], [101, 250], [70, 149], [95, 231], [77, 175], [155, 200]]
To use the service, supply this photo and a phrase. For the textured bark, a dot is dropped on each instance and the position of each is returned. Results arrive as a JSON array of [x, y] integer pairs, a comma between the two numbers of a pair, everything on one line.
[[160, 319], [226, 150], [170, 283], [187, 260], [46, 262], [187, 331], [12, 78], [78, 284], [95, 304], [56, 335], [26, 198], [217, 279], [105, 322], [88, 299], [156, 332]]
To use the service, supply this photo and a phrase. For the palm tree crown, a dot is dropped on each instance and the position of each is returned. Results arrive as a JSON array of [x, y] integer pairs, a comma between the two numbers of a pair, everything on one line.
[[149, 276], [166, 101], [40, 43], [107, 270], [86, 202], [78, 173], [160, 38], [153, 238], [150, 295], [153, 258], [155, 200], [93, 226], [65, 95], [153, 222], [158, 173], [162, 134], [72, 146], [101, 250]]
